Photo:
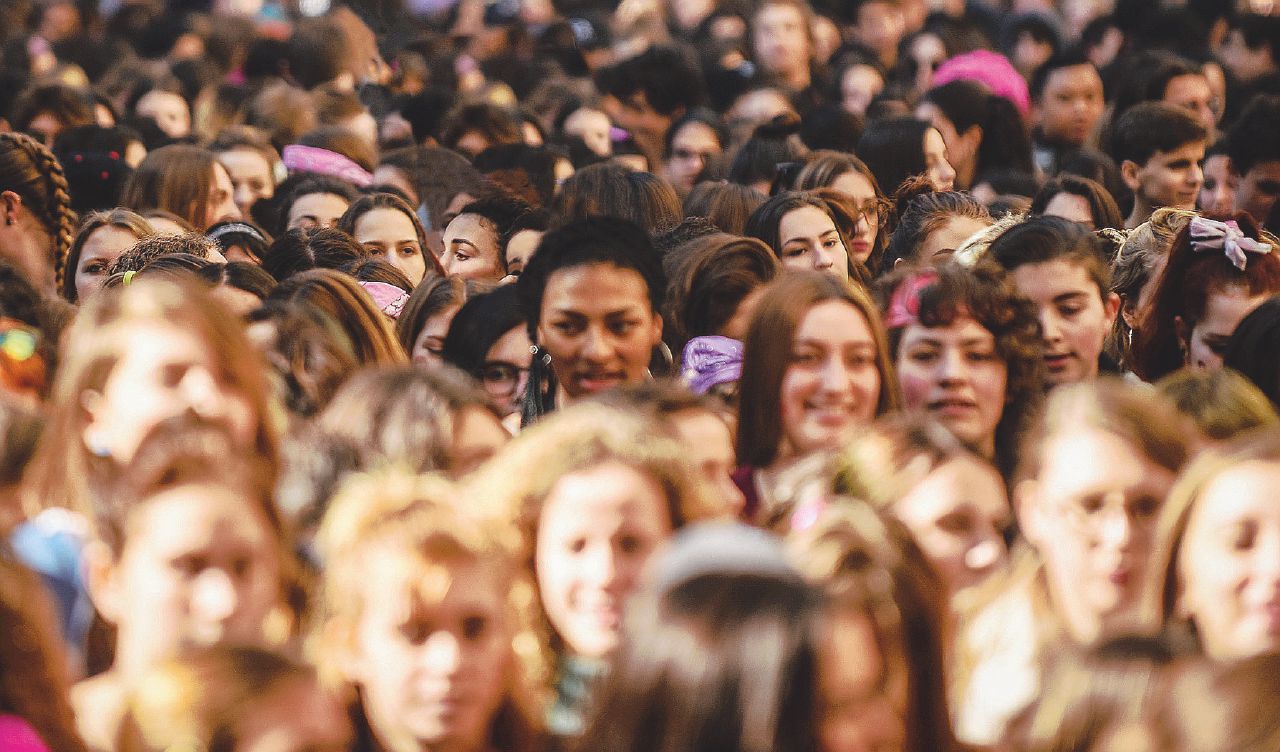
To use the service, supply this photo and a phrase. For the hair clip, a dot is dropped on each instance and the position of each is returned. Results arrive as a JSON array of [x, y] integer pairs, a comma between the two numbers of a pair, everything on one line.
[[1212, 235], [128, 277]]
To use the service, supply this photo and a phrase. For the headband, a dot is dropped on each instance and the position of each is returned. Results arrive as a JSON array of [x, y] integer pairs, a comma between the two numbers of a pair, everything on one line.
[[1212, 235], [709, 361], [904, 304], [297, 157], [389, 298], [238, 228]]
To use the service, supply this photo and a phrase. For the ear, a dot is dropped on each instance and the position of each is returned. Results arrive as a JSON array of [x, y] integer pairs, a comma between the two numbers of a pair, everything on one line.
[[1129, 174], [657, 328], [102, 575], [10, 205], [1184, 337], [1129, 310], [1111, 307]]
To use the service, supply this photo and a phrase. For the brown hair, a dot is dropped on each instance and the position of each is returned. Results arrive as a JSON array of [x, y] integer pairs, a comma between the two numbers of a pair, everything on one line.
[[767, 354], [723, 204], [63, 471], [823, 167], [1139, 250], [369, 202], [1163, 588], [984, 293], [608, 189], [1183, 291], [123, 219], [30, 170], [431, 296], [516, 483], [419, 518], [175, 178], [341, 297], [867, 563], [709, 277]]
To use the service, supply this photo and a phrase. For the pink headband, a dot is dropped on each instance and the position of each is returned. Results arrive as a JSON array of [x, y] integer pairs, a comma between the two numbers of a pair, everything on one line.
[[1212, 235], [904, 304], [314, 159], [389, 298], [989, 68]]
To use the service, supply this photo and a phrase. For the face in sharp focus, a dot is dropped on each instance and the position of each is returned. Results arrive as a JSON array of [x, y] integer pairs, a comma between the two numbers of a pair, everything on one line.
[[692, 148], [200, 566], [1074, 318], [222, 203], [856, 186], [832, 384], [599, 327], [1070, 104], [316, 210], [251, 177], [958, 515], [1170, 178], [936, 165], [163, 372], [390, 234], [862, 687], [597, 530], [808, 239], [1259, 189], [955, 373], [428, 349], [99, 252], [432, 651], [1218, 193], [1091, 514], [947, 239], [1229, 563], [1223, 311], [520, 249], [471, 249], [710, 445]]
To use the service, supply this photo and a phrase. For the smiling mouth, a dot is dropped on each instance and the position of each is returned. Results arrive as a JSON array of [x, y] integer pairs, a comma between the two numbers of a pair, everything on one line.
[[952, 405]]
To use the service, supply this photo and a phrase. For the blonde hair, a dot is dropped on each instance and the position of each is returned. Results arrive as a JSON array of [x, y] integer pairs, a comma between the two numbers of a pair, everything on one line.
[[516, 482], [1161, 594], [63, 469], [1221, 403], [420, 518]]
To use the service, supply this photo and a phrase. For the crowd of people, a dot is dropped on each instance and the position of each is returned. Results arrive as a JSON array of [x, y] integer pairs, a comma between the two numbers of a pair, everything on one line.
[[675, 375]]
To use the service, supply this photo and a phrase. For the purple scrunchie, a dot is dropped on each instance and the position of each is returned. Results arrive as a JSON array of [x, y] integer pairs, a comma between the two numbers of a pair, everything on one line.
[[711, 360]]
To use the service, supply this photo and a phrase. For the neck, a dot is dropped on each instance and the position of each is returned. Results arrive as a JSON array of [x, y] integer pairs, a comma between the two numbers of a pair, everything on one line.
[[797, 78], [1141, 213]]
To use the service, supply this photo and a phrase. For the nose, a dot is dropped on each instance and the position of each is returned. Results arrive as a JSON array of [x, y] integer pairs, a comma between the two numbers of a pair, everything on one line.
[[952, 366], [202, 393], [822, 259], [1049, 329], [595, 344], [442, 653], [1116, 529], [601, 565], [1196, 175], [214, 598], [243, 197], [985, 553], [947, 172]]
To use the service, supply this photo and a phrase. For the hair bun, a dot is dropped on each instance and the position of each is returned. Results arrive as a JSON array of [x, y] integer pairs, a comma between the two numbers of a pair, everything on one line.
[[911, 188], [779, 127]]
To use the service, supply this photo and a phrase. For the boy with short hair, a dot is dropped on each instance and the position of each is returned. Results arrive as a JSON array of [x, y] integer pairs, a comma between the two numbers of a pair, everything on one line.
[[1159, 148]]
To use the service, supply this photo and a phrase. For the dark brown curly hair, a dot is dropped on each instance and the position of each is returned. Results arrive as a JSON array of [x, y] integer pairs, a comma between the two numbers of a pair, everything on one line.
[[984, 293]]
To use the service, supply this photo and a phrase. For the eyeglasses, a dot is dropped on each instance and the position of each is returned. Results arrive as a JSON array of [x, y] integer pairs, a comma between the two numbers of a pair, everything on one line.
[[502, 379], [874, 210]]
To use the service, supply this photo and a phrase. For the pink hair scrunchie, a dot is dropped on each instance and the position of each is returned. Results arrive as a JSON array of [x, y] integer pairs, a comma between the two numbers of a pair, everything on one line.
[[314, 159]]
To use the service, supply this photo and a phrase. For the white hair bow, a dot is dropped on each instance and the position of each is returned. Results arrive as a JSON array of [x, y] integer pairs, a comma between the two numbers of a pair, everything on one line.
[[1212, 235]]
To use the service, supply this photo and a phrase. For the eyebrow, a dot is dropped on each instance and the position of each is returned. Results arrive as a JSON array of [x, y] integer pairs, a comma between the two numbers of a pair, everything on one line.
[[1064, 297]]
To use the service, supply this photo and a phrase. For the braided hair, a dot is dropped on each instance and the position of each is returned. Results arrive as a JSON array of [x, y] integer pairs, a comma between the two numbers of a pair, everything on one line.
[[30, 170]]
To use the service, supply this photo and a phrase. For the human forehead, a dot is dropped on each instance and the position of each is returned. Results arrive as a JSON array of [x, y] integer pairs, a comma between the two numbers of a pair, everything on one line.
[[804, 221], [1045, 280], [1245, 490], [834, 321], [598, 287], [1073, 79], [1080, 461], [963, 330]]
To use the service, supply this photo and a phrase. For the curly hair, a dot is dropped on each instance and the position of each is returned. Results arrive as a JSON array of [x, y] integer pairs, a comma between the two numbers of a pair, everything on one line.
[[30, 170], [985, 294], [920, 211]]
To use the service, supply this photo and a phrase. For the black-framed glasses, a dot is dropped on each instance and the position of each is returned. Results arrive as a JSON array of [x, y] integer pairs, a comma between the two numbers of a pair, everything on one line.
[[502, 379]]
